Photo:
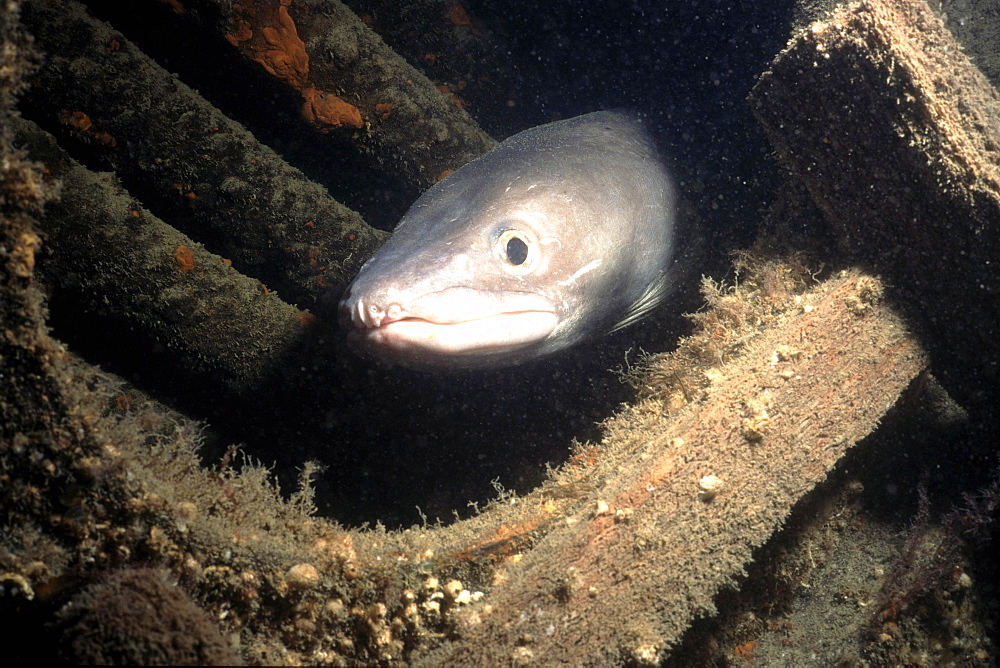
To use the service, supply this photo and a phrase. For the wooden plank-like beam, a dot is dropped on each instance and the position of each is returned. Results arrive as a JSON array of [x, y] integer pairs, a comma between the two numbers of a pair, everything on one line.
[[622, 577]]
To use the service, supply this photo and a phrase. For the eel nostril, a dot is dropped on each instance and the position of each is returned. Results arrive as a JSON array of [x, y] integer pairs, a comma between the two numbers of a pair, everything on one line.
[[374, 316]]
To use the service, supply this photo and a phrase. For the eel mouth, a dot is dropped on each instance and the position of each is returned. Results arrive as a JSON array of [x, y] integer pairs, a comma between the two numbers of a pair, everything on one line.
[[504, 331], [452, 322]]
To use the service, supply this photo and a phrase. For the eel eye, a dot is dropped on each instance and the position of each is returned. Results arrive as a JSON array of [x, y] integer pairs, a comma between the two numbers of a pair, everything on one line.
[[517, 251]]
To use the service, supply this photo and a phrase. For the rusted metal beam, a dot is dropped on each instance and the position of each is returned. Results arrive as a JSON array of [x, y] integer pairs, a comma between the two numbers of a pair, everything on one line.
[[113, 258], [896, 135], [623, 575], [207, 174]]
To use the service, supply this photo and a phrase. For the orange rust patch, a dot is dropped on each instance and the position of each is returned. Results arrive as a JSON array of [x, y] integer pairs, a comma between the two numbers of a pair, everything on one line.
[[312, 255], [124, 404], [185, 191], [444, 173], [384, 110], [266, 33], [430, 59], [241, 32], [81, 121], [585, 459], [505, 541], [77, 119], [746, 650], [283, 53], [456, 100], [457, 15], [184, 258], [327, 111]]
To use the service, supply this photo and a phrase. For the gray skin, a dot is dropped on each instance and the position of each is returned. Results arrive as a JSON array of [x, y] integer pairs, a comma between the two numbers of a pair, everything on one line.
[[560, 232]]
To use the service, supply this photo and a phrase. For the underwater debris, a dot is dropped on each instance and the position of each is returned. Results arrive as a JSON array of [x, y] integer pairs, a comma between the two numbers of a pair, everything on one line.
[[94, 488], [189, 160], [669, 542], [423, 136], [877, 110], [230, 538]]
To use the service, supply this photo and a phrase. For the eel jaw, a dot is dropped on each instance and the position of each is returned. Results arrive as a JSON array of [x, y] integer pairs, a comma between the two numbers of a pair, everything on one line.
[[505, 331], [453, 322]]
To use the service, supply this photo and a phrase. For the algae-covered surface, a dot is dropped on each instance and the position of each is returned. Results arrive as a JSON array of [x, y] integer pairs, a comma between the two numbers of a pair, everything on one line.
[[195, 470]]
